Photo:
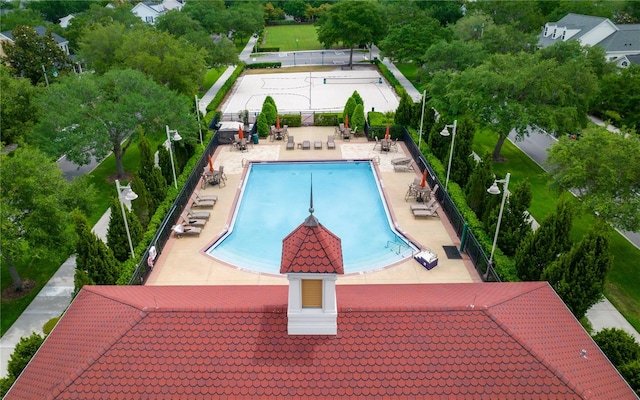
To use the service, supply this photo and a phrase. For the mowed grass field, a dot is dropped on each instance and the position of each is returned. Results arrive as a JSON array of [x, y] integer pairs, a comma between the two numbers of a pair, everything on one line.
[[291, 37]]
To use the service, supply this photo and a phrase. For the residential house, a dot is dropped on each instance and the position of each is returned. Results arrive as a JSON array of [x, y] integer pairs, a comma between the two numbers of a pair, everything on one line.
[[41, 30], [619, 41], [149, 11], [316, 339]]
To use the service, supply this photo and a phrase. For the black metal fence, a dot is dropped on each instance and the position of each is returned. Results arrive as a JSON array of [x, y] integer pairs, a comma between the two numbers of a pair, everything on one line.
[[164, 231], [470, 244]]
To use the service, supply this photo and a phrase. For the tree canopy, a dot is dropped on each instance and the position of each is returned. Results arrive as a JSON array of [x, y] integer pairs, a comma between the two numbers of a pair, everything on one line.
[[98, 114], [603, 169], [353, 23]]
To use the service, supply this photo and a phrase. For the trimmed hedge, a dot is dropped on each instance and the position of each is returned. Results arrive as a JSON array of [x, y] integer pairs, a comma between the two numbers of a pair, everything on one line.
[[291, 120], [217, 100], [268, 49], [327, 119], [264, 65], [389, 76]]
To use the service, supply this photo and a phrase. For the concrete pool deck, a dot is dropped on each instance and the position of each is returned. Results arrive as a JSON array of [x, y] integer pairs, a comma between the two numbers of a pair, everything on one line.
[[184, 261]]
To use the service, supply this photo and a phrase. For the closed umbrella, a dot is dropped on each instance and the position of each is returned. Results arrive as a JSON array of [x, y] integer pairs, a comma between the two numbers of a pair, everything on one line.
[[346, 121], [210, 164], [277, 122], [240, 133], [386, 135], [423, 182]]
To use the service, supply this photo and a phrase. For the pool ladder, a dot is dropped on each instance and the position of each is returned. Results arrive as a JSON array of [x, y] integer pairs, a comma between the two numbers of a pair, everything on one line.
[[398, 246]]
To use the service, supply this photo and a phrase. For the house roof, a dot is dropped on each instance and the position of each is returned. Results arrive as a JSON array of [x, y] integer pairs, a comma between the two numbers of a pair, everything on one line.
[[624, 40], [41, 31], [478, 340], [311, 248]]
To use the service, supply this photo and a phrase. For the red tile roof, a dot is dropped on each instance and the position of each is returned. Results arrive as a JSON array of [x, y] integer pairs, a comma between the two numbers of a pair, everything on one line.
[[475, 341], [311, 248]]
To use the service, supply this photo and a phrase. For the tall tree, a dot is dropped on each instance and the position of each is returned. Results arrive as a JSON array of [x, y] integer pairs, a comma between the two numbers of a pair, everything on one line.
[[515, 224], [543, 246], [620, 97], [17, 111], [523, 91], [476, 188], [94, 260], [96, 115], [208, 12], [603, 168], [579, 275], [410, 39], [99, 43], [151, 178], [31, 55], [117, 239], [618, 345], [353, 23], [404, 115]]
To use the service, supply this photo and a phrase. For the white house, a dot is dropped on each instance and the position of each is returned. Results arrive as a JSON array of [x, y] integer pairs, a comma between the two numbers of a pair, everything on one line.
[[148, 11], [619, 41], [41, 30]]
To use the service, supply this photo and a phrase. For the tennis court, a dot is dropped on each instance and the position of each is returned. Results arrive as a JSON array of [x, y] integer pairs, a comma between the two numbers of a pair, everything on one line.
[[320, 91]]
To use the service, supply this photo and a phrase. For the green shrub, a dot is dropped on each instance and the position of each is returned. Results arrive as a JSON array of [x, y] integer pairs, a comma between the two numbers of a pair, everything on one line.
[[263, 126], [269, 112], [358, 118], [291, 120], [268, 49], [326, 119], [264, 65], [49, 325], [217, 100]]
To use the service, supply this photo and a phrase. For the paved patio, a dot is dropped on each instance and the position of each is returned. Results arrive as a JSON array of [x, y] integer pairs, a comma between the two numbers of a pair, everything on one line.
[[184, 261]]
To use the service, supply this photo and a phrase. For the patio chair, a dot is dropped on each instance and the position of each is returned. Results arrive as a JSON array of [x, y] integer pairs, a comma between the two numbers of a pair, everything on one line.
[[431, 212], [242, 146], [205, 197], [202, 203], [346, 134], [404, 167], [401, 160], [317, 145], [197, 214], [423, 206], [306, 145], [290, 143], [223, 176], [213, 178], [331, 144], [181, 230], [192, 221], [377, 144], [394, 145], [413, 189]]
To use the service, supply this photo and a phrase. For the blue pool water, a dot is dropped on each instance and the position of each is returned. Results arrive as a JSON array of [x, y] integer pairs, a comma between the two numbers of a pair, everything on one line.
[[346, 199]]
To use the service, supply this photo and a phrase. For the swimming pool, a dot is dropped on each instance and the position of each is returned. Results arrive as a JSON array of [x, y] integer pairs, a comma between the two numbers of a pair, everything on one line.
[[347, 200]]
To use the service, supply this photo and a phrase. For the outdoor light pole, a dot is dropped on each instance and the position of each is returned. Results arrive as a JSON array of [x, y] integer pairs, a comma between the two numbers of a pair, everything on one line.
[[445, 132], [494, 189], [424, 97], [176, 137], [128, 195], [198, 114]]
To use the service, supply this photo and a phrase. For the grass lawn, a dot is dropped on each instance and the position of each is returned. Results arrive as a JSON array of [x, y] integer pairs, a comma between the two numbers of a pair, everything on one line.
[[623, 279], [211, 77], [410, 71], [291, 37]]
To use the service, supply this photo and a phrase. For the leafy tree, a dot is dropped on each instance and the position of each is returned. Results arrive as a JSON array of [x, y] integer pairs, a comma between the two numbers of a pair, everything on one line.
[[20, 16], [515, 92], [169, 61], [295, 8], [243, 19], [223, 52], [164, 161], [349, 107], [34, 207], [272, 13], [96, 115], [410, 39], [579, 275], [269, 112], [463, 162], [271, 101], [263, 125], [456, 56], [23, 353], [142, 206], [476, 188], [471, 27], [619, 346], [54, 10], [404, 111], [17, 111], [99, 44], [631, 372], [515, 223], [178, 23], [604, 170], [30, 54], [209, 13], [353, 23], [620, 93], [543, 246], [152, 185], [507, 39], [357, 121], [526, 13], [117, 239], [95, 262]]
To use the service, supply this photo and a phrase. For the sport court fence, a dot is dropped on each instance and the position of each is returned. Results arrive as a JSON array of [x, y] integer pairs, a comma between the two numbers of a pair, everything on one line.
[[469, 245]]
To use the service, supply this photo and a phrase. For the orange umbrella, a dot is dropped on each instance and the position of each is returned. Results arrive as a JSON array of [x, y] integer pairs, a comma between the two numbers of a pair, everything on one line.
[[277, 122], [346, 120], [423, 182], [240, 133], [386, 135], [210, 164]]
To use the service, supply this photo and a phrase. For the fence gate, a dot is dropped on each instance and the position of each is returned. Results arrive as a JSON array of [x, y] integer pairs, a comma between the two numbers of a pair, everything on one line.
[[307, 118]]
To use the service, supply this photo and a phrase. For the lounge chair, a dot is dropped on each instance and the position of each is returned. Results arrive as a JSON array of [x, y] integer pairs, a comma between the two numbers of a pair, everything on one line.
[[401, 160], [202, 203], [181, 230], [404, 167], [197, 214], [423, 206], [431, 212], [192, 221], [242, 146], [346, 134], [205, 197], [378, 145], [413, 190], [317, 145], [306, 145], [290, 143], [330, 142]]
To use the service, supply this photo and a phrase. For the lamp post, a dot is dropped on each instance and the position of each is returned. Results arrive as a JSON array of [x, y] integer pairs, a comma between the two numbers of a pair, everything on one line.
[[494, 189], [445, 132], [198, 114], [126, 194], [424, 97], [176, 137]]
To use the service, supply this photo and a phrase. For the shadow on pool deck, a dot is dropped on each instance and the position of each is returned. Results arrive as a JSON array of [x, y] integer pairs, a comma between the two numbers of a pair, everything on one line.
[[184, 262]]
